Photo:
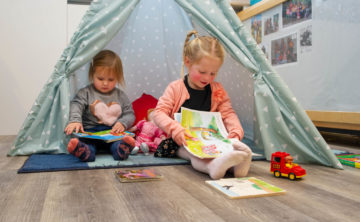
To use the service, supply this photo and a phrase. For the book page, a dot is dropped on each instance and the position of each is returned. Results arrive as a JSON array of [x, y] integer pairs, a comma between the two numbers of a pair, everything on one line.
[[208, 131], [105, 135]]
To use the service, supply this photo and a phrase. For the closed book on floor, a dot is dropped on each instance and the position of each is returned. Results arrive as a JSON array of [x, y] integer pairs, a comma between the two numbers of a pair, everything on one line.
[[244, 187], [137, 175]]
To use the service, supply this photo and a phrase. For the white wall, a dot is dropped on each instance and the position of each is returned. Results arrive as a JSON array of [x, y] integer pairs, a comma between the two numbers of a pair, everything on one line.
[[33, 36], [74, 16], [326, 75]]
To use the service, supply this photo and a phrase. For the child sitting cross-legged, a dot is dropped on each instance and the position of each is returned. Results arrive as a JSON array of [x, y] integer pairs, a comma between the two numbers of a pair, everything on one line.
[[198, 90], [101, 106]]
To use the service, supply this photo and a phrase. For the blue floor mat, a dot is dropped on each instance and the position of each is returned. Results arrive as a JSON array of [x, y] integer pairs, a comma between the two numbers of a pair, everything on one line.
[[63, 162]]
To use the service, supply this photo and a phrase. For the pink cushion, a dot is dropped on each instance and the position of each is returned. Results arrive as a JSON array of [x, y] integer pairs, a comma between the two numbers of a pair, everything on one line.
[[141, 105]]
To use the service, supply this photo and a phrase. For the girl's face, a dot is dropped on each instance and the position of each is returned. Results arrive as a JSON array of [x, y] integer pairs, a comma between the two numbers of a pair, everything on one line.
[[203, 72], [104, 79]]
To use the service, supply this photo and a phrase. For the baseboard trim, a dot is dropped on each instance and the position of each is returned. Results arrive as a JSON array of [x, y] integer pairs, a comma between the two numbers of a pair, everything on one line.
[[335, 119]]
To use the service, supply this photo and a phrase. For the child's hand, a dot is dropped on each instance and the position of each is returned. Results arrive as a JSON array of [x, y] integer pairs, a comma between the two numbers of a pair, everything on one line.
[[180, 139], [133, 129], [71, 127], [162, 137], [118, 128]]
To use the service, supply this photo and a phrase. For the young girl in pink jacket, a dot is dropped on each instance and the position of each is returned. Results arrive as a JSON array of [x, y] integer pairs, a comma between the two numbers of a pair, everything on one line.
[[203, 57]]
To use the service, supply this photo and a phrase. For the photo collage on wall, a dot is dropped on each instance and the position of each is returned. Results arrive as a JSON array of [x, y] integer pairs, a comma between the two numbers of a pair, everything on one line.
[[284, 31]]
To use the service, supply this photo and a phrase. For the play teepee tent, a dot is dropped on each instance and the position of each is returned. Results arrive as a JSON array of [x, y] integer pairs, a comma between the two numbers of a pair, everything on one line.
[[148, 35]]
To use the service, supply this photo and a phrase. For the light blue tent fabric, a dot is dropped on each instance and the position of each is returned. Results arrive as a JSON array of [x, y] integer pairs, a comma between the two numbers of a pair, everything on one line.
[[279, 122], [43, 128]]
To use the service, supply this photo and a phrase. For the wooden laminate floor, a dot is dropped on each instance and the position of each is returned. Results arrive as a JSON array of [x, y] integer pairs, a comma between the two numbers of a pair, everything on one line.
[[325, 194]]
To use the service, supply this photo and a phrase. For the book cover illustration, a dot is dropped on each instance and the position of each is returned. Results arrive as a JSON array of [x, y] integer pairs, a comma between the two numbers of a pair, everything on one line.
[[105, 135], [246, 187], [137, 175], [208, 131], [349, 159]]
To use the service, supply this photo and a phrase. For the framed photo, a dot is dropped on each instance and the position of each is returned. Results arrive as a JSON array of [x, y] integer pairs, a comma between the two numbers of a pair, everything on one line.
[[271, 24], [284, 50], [306, 39], [295, 11], [256, 28]]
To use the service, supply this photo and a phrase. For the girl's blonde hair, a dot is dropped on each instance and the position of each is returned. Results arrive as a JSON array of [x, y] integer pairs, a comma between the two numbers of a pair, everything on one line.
[[200, 47], [109, 60]]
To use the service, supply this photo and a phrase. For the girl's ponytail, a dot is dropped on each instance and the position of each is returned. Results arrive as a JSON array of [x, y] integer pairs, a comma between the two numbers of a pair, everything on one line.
[[187, 40]]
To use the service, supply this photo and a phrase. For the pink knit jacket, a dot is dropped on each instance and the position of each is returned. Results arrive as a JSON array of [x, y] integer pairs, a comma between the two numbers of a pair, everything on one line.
[[176, 94]]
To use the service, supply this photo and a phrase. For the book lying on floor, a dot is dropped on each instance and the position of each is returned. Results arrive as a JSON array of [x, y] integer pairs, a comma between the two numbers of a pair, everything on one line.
[[105, 135], [137, 175], [246, 187], [350, 159]]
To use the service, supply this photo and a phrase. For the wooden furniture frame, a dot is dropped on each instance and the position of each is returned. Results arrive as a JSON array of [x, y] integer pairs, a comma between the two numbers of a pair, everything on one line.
[[258, 8], [335, 120]]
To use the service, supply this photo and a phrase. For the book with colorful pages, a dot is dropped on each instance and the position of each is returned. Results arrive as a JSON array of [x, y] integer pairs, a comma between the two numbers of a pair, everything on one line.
[[209, 135], [105, 135], [350, 159], [137, 175]]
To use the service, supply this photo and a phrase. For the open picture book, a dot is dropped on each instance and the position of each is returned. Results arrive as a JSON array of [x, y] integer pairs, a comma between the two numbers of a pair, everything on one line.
[[245, 187], [208, 131], [105, 135]]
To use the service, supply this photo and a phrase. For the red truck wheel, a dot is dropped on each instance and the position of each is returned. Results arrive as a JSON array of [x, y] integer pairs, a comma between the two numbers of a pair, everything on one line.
[[292, 176], [277, 173]]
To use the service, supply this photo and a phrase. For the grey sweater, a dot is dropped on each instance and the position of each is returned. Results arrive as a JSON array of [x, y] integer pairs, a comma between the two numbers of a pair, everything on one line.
[[80, 106]]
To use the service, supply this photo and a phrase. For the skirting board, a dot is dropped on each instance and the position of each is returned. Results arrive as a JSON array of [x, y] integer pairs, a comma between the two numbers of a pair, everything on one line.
[[336, 120]]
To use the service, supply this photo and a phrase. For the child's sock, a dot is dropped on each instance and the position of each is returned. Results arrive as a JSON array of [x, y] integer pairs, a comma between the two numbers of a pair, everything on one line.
[[242, 169], [121, 149], [217, 167], [80, 150]]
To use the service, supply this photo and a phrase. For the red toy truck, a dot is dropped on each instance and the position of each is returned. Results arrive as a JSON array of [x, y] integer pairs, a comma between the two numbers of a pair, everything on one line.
[[282, 165]]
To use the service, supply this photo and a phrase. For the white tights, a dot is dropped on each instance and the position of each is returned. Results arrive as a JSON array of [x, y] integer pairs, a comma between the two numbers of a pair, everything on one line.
[[238, 160]]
